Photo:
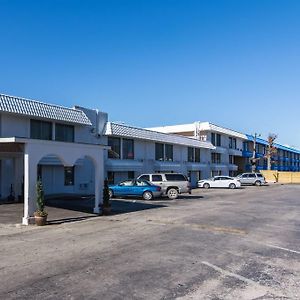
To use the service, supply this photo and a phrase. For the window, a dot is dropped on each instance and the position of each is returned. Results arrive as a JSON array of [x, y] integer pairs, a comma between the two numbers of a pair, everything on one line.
[[130, 174], [230, 142], [128, 149], [169, 152], [163, 152], [127, 183], [231, 159], [40, 130], [145, 177], [216, 139], [115, 144], [159, 151], [156, 178], [175, 177], [69, 175], [64, 133], [234, 143], [216, 158], [141, 183], [252, 175], [191, 156], [213, 138], [197, 154], [245, 146]]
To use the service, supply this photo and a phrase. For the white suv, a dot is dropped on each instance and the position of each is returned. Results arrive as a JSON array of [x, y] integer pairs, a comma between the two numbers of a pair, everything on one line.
[[171, 184]]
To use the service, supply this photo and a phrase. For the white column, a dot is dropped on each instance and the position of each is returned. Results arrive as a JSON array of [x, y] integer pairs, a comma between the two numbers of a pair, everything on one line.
[[99, 180], [30, 178]]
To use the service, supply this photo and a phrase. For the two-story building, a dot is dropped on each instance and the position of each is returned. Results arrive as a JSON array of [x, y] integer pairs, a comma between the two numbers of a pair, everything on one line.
[[135, 151], [226, 158], [50, 142]]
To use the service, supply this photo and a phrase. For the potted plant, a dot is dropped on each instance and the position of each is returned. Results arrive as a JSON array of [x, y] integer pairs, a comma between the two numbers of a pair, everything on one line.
[[106, 206], [40, 214]]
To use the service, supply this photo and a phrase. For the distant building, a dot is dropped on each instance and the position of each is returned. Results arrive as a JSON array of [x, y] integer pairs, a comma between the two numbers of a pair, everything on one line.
[[234, 150]]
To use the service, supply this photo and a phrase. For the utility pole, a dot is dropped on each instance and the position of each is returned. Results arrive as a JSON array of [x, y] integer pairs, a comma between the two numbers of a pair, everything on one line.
[[254, 159]]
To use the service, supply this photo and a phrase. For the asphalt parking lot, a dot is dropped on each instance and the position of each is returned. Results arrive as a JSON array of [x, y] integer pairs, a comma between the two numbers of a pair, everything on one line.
[[214, 244]]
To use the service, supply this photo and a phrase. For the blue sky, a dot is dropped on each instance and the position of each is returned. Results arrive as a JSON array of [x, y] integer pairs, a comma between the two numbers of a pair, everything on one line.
[[151, 63]]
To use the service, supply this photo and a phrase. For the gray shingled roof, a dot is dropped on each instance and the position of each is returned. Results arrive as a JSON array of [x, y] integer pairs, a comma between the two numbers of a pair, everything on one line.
[[114, 129], [32, 108]]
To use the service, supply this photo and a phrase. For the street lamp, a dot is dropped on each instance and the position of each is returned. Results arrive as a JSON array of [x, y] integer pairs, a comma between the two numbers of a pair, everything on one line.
[[254, 159]]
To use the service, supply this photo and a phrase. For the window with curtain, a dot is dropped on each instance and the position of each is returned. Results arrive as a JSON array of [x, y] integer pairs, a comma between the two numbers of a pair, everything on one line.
[[64, 133], [40, 130], [128, 149], [115, 151], [159, 151]]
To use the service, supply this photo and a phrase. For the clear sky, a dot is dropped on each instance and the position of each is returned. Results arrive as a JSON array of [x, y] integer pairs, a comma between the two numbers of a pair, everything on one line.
[[151, 63]]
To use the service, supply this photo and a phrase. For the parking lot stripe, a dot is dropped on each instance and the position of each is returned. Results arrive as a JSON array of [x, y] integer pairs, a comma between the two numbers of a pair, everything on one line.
[[282, 248], [230, 274]]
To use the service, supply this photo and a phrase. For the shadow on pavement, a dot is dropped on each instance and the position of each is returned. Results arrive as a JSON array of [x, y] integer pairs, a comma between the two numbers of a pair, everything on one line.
[[68, 220], [86, 205]]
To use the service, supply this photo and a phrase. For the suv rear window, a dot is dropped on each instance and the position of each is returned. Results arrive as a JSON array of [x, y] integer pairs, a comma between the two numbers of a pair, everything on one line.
[[145, 177], [156, 178], [251, 176], [175, 177], [259, 175]]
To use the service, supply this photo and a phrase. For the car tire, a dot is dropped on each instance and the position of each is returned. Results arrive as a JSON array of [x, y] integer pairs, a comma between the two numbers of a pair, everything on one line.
[[232, 186], [257, 183], [110, 193], [172, 193], [147, 195], [206, 185]]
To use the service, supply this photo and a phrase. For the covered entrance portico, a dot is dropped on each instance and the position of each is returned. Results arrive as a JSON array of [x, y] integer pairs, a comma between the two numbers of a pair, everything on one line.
[[25, 155]]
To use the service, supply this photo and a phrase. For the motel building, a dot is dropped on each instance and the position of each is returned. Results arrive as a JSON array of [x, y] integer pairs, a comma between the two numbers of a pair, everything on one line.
[[227, 156], [72, 150], [54, 143], [135, 151], [233, 150]]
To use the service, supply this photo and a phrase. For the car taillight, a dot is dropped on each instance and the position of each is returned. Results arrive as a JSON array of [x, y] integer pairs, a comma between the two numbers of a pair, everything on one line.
[[158, 188]]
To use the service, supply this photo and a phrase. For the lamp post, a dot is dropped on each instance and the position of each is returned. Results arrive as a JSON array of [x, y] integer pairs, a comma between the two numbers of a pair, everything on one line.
[[254, 159]]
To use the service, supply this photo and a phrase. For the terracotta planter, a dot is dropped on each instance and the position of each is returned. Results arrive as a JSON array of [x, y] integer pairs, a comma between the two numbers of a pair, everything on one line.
[[40, 221], [106, 210]]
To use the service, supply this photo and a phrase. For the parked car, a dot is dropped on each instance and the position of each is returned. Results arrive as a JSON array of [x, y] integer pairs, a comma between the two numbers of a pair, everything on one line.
[[171, 184], [135, 188], [251, 179], [219, 182]]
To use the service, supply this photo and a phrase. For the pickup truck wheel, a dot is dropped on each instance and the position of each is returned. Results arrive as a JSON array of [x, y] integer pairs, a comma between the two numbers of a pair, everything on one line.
[[232, 186], [172, 193], [257, 183], [206, 185], [147, 195], [110, 193]]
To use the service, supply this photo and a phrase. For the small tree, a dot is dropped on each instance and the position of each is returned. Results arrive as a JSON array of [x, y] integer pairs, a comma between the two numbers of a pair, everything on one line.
[[271, 149], [40, 199]]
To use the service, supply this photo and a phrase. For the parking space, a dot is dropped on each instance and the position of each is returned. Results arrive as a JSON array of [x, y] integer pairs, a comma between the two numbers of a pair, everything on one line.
[[214, 244]]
